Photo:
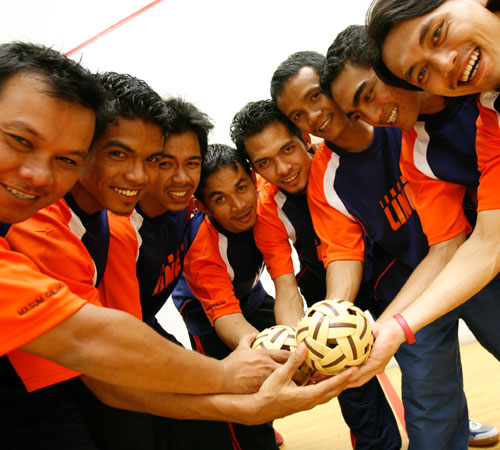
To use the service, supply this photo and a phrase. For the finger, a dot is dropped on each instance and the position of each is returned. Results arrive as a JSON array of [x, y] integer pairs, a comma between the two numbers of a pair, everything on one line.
[[295, 359], [280, 356], [247, 340]]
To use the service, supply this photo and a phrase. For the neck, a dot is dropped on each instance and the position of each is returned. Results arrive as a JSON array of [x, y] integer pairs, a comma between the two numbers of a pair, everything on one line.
[[151, 207], [431, 104], [85, 201], [356, 136]]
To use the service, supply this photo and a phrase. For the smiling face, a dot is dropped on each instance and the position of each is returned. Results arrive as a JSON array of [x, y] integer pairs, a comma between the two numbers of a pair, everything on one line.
[[313, 112], [362, 95], [178, 177], [230, 196], [280, 157], [451, 51], [43, 143], [119, 167]]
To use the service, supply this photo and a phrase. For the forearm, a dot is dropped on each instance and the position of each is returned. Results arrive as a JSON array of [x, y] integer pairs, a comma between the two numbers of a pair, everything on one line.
[[473, 265], [232, 327], [428, 269], [288, 305], [114, 346], [343, 279]]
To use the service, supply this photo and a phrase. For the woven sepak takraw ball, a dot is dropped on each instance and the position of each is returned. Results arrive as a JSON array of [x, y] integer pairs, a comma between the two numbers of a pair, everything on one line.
[[279, 337], [337, 335]]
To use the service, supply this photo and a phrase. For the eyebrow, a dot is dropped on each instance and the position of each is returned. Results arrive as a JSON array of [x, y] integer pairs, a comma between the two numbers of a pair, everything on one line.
[[24, 126], [358, 92], [306, 94], [166, 155], [214, 193]]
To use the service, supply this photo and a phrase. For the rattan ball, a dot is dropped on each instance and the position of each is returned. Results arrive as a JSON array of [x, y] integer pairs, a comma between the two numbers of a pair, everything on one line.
[[337, 335], [279, 337]]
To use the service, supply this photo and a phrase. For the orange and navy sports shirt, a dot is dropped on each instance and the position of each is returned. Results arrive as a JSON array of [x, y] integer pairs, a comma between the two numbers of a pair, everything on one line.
[[56, 240], [32, 302], [221, 275], [438, 158], [488, 151], [283, 218], [352, 194]]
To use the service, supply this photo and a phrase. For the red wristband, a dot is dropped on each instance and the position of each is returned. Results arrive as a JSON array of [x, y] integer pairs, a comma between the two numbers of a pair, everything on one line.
[[410, 337]]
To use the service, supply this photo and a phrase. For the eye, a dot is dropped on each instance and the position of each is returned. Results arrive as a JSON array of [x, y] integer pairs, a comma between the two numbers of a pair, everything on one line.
[[220, 199], [315, 96], [297, 117], [155, 159], [193, 164], [18, 140], [356, 116], [166, 164], [368, 95], [289, 149], [242, 187], [421, 74], [118, 154], [436, 35], [263, 164], [68, 161]]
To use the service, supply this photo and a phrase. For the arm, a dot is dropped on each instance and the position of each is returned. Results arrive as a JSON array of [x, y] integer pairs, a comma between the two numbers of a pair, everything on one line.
[[472, 266], [232, 327], [343, 279], [92, 341], [288, 305], [279, 396], [423, 275]]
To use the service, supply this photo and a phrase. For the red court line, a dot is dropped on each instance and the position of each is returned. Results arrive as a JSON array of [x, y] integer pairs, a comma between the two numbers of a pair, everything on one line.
[[112, 27], [393, 397]]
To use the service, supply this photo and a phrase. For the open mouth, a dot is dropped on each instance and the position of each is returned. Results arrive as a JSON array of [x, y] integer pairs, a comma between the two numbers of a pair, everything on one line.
[[290, 179], [126, 192], [471, 68], [392, 116], [19, 194], [325, 124], [245, 216]]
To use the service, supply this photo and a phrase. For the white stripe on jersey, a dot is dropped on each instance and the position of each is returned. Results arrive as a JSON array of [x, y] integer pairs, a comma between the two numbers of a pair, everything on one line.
[[488, 99], [76, 226], [280, 200], [420, 150], [137, 220], [328, 186], [223, 255]]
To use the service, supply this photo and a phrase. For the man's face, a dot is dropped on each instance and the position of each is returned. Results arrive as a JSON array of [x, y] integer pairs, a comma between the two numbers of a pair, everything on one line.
[[280, 157], [120, 166], [362, 95], [230, 196], [451, 51], [303, 103], [43, 143], [178, 177]]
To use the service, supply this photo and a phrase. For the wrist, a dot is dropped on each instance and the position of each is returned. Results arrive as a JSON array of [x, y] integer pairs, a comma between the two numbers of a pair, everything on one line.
[[410, 337]]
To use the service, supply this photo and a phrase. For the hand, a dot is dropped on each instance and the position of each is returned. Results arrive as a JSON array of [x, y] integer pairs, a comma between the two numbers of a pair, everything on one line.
[[388, 338], [279, 396], [246, 368]]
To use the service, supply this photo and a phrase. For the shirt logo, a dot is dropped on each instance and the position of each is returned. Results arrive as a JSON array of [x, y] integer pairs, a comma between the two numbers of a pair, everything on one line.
[[396, 204], [169, 271]]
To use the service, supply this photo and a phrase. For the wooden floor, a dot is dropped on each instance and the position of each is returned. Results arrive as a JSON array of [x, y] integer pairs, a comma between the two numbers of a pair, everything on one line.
[[324, 429]]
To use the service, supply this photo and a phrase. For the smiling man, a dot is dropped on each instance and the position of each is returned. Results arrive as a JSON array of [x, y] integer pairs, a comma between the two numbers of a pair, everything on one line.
[[219, 295]]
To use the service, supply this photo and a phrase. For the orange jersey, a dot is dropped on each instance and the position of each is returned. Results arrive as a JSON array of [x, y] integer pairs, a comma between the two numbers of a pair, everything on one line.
[[488, 151], [52, 239], [33, 303]]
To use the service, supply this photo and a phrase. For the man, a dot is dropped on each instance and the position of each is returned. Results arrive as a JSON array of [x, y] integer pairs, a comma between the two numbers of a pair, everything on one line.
[[447, 73], [219, 295], [281, 154], [124, 158], [355, 190], [438, 159]]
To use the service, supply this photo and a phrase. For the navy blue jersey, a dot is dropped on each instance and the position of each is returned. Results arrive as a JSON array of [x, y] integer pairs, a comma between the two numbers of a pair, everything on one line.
[[161, 255], [364, 193], [221, 275]]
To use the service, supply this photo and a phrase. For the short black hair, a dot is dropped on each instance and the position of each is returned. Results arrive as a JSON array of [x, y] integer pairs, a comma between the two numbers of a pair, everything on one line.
[[183, 116], [291, 66], [253, 118], [381, 17], [216, 157], [65, 78], [132, 98], [350, 46]]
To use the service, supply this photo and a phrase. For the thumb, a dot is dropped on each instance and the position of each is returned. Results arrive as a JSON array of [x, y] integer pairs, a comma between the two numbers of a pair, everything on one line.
[[296, 359], [247, 340]]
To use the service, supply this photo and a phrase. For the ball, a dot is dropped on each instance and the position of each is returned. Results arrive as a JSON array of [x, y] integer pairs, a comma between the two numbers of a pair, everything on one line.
[[279, 337], [337, 335]]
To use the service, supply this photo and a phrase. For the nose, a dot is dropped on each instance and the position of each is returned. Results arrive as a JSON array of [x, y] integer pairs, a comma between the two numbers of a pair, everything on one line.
[[136, 173], [282, 167], [313, 115], [37, 171], [180, 175], [237, 203], [373, 114], [445, 60]]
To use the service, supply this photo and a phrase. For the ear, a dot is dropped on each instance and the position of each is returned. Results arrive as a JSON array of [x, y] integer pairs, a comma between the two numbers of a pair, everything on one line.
[[202, 207], [307, 140]]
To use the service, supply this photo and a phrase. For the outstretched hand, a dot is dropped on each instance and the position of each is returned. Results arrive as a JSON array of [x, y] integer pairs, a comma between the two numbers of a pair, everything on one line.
[[387, 341], [246, 368]]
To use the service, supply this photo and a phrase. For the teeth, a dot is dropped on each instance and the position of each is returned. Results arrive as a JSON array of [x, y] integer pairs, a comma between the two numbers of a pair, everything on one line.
[[287, 180], [472, 64], [325, 124], [179, 194], [126, 192], [393, 116], [20, 194]]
